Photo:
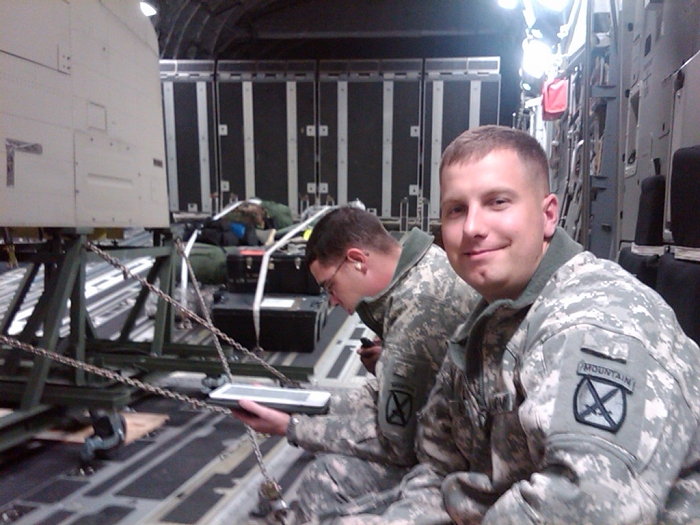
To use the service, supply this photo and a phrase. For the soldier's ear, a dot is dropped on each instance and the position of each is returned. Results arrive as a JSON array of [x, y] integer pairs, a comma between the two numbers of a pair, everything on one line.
[[356, 256], [550, 209]]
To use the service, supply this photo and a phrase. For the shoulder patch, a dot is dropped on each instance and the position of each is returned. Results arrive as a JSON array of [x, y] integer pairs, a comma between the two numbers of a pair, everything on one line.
[[609, 374], [600, 399], [399, 408]]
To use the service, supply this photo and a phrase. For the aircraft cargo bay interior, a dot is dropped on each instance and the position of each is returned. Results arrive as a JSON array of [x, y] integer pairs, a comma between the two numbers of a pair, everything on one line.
[[174, 173]]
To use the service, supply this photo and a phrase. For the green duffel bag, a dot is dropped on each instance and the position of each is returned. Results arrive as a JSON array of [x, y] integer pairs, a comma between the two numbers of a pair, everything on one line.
[[280, 214], [208, 263]]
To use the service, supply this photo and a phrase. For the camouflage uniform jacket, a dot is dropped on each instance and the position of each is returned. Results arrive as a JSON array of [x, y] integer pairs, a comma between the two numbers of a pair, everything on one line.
[[414, 316], [578, 402]]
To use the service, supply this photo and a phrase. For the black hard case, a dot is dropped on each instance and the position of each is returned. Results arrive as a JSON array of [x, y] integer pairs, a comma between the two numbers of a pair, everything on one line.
[[296, 328], [286, 273]]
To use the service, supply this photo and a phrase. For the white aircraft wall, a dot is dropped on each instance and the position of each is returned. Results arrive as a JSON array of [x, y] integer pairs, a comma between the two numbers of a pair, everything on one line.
[[80, 116]]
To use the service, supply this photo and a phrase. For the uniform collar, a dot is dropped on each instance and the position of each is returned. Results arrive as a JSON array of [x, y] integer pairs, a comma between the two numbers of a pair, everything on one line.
[[371, 310], [561, 249]]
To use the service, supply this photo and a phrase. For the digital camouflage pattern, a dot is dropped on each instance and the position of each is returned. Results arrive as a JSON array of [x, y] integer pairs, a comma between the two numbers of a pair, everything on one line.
[[579, 402], [414, 316], [333, 480]]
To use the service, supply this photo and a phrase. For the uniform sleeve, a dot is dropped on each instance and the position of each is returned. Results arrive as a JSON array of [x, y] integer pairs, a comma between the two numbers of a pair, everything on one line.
[[352, 433], [349, 401], [413, 350], [609, 427], [421, 499], [378, 421], [420, 504], [437, 437]]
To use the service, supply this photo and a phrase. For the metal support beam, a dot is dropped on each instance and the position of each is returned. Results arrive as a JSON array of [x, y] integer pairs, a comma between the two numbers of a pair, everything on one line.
[[57, 292], [42, 390]]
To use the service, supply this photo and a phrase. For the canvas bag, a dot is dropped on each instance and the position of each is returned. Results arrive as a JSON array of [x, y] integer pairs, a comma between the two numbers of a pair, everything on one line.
[[555, 95]]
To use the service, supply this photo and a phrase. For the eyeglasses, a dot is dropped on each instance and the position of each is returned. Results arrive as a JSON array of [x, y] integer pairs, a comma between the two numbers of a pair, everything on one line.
[[327, 284]]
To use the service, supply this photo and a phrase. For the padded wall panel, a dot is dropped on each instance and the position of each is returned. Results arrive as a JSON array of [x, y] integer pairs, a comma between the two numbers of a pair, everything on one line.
[[369, 131], [490, 103], [306, 153], [457, 97], [191, 130], [267, 108], [186, 139], [405, 143], [328, 143], [340, 130], [270, 137], [231, 144], [365, 110]]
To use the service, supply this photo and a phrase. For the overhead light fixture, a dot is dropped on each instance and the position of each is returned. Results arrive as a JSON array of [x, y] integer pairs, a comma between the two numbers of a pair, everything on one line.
[[537, 57], [148, 9], [530, 84]]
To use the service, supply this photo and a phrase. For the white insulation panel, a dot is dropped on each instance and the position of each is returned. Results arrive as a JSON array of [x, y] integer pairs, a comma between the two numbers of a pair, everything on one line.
[[80, 116]]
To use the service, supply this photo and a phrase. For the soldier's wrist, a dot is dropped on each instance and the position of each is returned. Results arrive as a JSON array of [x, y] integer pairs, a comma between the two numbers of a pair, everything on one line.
[[291, 430]]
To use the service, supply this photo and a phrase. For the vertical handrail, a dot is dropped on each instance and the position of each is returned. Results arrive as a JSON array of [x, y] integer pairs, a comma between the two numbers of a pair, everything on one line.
[[262, 276], [586, 136]]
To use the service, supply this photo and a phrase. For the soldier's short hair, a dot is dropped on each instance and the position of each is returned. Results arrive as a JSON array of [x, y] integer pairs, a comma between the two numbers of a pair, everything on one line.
[[344, 228], [475, 144]]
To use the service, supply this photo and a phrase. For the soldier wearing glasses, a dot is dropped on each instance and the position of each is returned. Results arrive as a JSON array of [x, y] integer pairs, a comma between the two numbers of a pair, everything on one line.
[[408, 294]]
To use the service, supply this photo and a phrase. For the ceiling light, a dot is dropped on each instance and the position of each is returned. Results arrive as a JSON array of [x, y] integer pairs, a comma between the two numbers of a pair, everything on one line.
[[148, 9], [537, 57]]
